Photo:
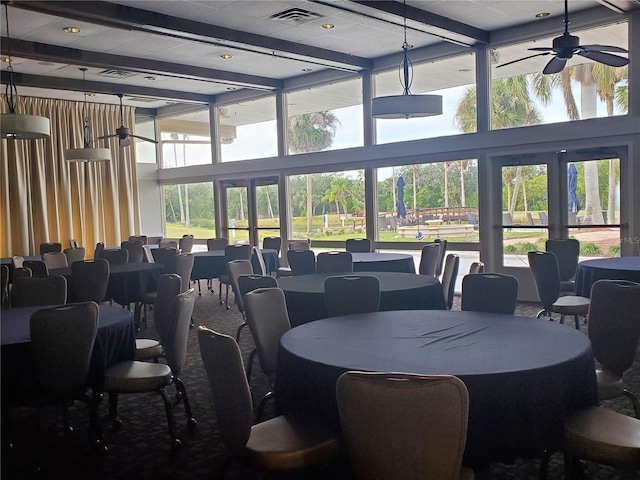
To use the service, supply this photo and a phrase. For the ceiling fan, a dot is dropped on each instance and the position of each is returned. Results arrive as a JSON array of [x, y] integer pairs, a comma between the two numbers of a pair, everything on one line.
[[567, 45], [124, 133]]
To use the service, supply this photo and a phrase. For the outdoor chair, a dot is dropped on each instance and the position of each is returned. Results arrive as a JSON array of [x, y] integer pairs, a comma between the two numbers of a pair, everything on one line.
[[400, 426], [429, 259], [301, 262], [50, 247], [489, 292], [449, 276], [334, 262], [358, 245], [567, 252]]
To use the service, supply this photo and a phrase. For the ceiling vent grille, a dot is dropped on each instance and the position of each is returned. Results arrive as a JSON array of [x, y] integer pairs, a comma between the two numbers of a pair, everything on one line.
[[113, 73], [295, 16]]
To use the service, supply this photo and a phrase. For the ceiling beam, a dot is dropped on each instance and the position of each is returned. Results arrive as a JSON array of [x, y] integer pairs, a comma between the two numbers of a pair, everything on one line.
[[417, 19], [53, 53], [130, 18], [77, 85]]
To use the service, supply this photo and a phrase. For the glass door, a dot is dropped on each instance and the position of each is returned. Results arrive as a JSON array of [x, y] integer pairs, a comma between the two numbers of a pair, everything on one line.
[[252, 209]]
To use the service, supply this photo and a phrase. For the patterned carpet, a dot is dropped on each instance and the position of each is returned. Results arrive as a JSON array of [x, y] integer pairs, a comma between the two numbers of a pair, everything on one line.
[[141, 449]]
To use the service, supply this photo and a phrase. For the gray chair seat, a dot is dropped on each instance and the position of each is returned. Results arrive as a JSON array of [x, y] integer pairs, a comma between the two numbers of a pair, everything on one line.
[[137, 377], [147, 349], [571, 305], [610, 385]]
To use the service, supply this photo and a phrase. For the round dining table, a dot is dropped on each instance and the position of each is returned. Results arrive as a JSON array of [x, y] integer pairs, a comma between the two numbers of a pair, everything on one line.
[[523, 374], [212, 264], [383, 262], [589, 272], [398, 291]]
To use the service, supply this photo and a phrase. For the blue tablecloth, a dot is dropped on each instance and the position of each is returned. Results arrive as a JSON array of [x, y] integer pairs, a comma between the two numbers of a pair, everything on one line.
[[212, 264], [383, 262], [590, 271]]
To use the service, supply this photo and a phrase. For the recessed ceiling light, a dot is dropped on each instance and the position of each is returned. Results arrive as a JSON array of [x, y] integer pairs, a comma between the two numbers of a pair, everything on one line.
[[542, 14], [231, 88], [4, 59], [464, 70], [226, 56], [151, 79], [91, 94], [328, 26], [307, 69], [71, 29]]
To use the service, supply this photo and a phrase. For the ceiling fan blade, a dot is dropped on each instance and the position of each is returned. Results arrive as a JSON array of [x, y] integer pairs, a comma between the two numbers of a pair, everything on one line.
[[523, 58], [105, 136], [144, 138], [541, 49], [606, 58], [555, 65], [125, 142], [604, 48]]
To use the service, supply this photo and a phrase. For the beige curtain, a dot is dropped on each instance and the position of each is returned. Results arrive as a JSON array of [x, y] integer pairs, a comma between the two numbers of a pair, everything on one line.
[[47, 199]]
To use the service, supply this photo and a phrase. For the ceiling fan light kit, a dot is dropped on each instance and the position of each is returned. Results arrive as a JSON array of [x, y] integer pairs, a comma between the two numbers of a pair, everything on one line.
[[124, 133], [406, 105]]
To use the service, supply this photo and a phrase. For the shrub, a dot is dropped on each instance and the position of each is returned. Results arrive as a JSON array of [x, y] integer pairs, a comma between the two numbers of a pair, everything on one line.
[[614, 250], [328, 233], [526, 247], [589, 249], [510, 249]]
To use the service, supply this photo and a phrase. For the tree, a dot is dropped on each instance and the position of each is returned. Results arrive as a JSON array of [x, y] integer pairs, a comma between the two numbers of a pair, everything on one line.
[[338, 193], [311, 132]]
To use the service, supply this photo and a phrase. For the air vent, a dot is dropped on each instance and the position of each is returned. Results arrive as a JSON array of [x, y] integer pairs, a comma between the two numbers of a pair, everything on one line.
[[113, 73], [295, 16]]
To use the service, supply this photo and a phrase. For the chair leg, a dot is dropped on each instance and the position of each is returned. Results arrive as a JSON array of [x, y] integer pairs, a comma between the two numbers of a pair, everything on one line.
[[226, 296], [175, 442], [250, 365], [94, 421], [544, 465], [199, 289], [220, 293], [242, 325], [191, 422], [634, 400], [577, 320], [264, 399], [116, 423]]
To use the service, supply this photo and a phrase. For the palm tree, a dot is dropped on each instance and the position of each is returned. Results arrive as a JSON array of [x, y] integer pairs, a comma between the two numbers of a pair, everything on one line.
[[338, 193], [311, 132]]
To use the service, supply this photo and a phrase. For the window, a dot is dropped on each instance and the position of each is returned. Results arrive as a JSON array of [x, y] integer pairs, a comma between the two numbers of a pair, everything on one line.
[[185, 139], [145, 151], [188, 209]]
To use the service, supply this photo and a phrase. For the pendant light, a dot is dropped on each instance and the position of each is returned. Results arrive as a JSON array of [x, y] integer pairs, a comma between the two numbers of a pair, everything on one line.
[[406, 105], [87, 154], [12, 124]]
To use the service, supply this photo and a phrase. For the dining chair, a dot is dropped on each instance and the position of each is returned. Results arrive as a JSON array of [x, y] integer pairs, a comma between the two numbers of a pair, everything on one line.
[[476, 267], [400, 426], [90, 280], [301, 262], [544, 266], [268, 320], [272, 243], [351, 294], [334, 262], [4, 285], [185, 244], [443, 251], [429, 259], [166, 256], [567, 252], [144, 377], [614, 331], [17, 261], [55, 260], [489, 292], [47, 247], [235, 268], [18, 273], [286, 442], [147, 254], [97, 252], [449, 276], [232, 252], [74, 254], [143, 238], [358, 245], [73, 243], [115, 256], [216, 243], [38, 268], [294, 245], [248, 283], [40, 291], [134, 247], [168, 244]]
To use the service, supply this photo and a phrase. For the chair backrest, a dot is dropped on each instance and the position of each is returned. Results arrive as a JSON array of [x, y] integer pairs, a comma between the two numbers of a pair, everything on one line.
[[217, 243], [142, 238], [116, 256], [175, 332], [17, 261], [567, 252], [185, 244], [169, 285], [249, 283], [235, 268], [489, 292], [476, 267], [134, 247], [614, 323], [222, 362], [47, 247], [530, 219], [302, 262], [257, 254], [449, 275], [403, 426], [55, 260], [544, 266], [38, 268], [183, 266], [90, 280], [35, 291], [148, 254], [299, 245], [97, 253], [62, 340], [429, 259], [73, 243], [166, 256], [334, 262], [74, 254], [4, 284], [272, 243], [237, 252], [168, 244], [21, 272], [443, 251], [350, 294], [358, 245], [268, 320]]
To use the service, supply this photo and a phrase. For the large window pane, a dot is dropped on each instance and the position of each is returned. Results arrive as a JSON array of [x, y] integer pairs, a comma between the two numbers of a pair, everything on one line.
[[452, 78], [325, 118], [188, 209], [419, 203], [334, 209], [145, 151], [522, 95], [185, 139], [248, 130]]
